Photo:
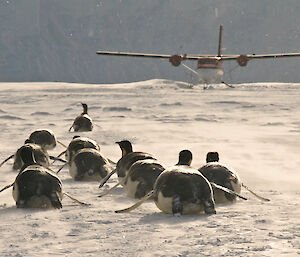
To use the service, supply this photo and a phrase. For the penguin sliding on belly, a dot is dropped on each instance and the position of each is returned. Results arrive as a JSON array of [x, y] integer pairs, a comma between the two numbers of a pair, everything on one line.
[[221, 175], [128, 158], [36, 187], [44, 137], [76, 144], [83, 122], [40, 155], [89, 165], [41, 141], [141, 177], [180, 189]]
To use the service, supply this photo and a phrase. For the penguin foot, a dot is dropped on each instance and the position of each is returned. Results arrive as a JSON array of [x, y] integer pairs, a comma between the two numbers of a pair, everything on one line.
[[177, 207], [55, 201], [209, 207]]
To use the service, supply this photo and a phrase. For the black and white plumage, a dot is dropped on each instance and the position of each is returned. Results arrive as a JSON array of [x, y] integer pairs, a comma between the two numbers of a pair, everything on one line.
[[78, 143], [45, 138], [40, 155], [141, 177], [222, 175], [128, 158], [181, 189], [35, 186], [89, 165], [82, 122]]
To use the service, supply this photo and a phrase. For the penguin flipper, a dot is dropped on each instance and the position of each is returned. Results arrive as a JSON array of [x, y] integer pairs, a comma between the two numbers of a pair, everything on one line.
[[55, 200]]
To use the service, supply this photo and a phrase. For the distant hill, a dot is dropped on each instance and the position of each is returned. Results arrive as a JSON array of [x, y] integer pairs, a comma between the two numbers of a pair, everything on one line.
[[54, 40]]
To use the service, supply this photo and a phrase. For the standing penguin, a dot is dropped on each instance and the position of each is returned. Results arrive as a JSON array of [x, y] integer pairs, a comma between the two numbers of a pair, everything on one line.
[[83, 122], [36, 187], [221, 175]]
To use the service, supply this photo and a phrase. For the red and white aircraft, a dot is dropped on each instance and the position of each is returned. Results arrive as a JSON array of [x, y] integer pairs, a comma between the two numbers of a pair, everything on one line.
[[210, 68]]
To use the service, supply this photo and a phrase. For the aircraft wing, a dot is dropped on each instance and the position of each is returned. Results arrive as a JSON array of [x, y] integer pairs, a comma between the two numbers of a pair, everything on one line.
[[242, 59], [161, 56], [197, 57], [258, 56]]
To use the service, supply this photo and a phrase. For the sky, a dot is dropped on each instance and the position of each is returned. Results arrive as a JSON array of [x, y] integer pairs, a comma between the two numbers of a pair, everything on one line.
[[44, 40]]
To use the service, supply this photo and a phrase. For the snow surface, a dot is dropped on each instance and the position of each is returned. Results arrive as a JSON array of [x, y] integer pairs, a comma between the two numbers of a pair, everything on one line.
[[254, 127]]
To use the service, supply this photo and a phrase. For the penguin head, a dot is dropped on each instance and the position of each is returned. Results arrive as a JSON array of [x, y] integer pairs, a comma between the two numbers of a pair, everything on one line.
[[212, 157], [185, 158], [85, 108], [28, 141], [27, 156], [125, 146]]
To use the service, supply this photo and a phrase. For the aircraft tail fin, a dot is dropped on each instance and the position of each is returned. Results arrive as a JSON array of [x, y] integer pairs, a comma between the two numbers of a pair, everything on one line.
[[220, 41]]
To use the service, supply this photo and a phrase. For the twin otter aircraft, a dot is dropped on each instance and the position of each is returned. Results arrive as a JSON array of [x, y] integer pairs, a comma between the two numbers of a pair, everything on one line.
[[210, 68]]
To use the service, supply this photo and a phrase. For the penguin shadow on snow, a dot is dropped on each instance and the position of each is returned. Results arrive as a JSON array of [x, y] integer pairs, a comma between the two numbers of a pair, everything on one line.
[[169, 219], [119, 191], [11, 209]]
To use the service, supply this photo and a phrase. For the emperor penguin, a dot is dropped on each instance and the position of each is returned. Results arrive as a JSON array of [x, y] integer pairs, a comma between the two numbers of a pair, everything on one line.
[[129, 157], [82, 122], [89, 165], [222, 175], [35, 186], [78, 143], [141, 177], [45, 138], [40, 155], [181, 189]]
